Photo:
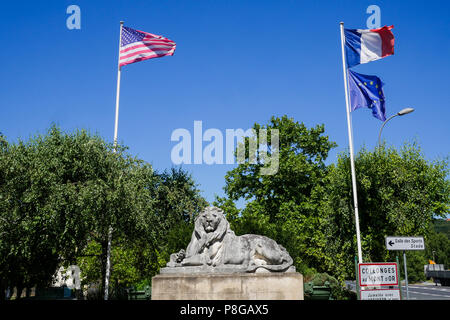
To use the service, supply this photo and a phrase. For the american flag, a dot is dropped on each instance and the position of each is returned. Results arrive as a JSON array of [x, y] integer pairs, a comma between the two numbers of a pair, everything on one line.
[[137, 45]]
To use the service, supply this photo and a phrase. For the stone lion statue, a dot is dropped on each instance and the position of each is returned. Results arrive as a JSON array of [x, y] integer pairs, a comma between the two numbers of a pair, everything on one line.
[[214, 244]]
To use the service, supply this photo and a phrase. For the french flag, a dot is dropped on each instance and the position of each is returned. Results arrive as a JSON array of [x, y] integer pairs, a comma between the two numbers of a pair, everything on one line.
[[365, 45]]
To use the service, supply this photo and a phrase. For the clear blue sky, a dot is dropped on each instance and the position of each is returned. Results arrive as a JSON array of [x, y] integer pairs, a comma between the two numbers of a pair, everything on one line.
[[237, 62]]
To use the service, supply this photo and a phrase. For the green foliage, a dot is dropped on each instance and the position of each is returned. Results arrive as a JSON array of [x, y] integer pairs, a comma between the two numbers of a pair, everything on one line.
[[338, 291], [124, 271], [442, 226], [90, 263], [283, 206], [399, 193], [415, 260], [53, 190], [61, 192], [437, 248], [176, 203], [308, 206], [141, 285]]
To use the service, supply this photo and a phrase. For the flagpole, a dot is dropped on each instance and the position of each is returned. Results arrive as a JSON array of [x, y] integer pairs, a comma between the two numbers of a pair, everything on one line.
[[350, 142], [116, 127], [116, 124]]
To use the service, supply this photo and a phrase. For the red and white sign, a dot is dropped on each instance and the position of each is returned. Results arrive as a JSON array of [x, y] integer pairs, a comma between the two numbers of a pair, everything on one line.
[[378, 274]]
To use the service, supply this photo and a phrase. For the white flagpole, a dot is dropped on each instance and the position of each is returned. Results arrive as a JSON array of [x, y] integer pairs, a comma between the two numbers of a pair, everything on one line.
[[116, 127], [350, 141]]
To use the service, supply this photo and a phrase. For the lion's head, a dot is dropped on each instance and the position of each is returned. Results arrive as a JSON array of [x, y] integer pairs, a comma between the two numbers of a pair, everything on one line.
[[210, 219], [210, 226]]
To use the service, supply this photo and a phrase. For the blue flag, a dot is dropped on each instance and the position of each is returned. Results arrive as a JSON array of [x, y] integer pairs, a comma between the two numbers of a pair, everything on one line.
[[366, 92]]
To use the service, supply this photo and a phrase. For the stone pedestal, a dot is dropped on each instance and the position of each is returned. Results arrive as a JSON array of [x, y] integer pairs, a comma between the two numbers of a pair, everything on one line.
[[236, 286]]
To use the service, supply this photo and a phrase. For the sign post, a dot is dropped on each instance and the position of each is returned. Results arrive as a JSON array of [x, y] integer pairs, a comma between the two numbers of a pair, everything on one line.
[[357, 278], [406, 275], [399, 277], [403, 244]]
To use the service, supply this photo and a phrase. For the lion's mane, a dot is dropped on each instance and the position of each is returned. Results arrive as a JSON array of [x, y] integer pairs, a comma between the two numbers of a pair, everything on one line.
[[202, 239]]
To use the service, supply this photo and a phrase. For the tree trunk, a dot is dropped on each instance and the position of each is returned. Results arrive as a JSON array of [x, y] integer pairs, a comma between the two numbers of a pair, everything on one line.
[[108, 263], [19, 289], [103, 259]]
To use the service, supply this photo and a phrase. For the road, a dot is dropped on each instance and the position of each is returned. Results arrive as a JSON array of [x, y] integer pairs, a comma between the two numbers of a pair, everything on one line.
[[419, 291], [427, 291]]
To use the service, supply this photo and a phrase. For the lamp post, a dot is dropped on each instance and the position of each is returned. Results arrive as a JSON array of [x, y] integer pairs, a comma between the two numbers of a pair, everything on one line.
[[400, 113]]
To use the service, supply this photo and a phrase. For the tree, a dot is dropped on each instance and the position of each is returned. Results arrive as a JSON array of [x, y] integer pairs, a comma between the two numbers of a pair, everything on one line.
[[60, 191], [437, 248], [176, 202], [283, 206], [442, 226], [399, 193], [308, 206]]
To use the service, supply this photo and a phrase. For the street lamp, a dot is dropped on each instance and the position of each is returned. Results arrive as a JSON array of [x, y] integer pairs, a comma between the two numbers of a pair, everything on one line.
[[400, 113]]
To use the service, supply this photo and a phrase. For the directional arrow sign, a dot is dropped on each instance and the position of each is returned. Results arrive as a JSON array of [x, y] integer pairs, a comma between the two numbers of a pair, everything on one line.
[[405, 243]]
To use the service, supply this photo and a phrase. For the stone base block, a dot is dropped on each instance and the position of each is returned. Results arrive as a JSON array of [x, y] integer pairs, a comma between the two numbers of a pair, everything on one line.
[[242, 286]]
